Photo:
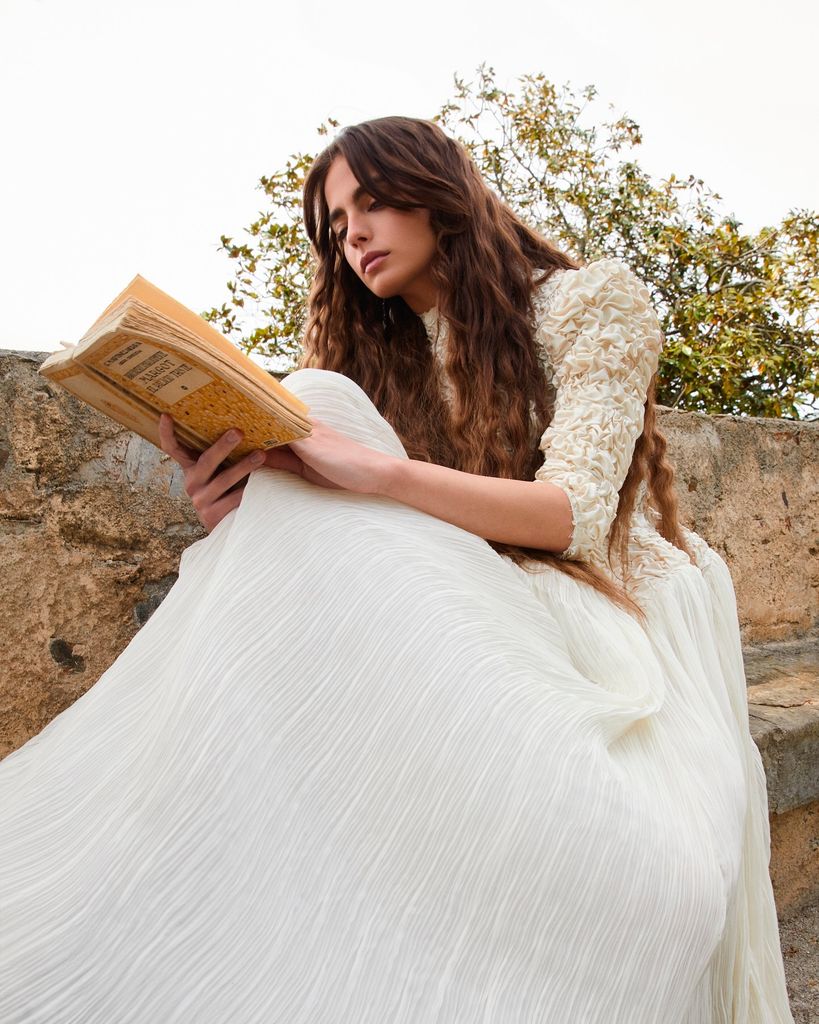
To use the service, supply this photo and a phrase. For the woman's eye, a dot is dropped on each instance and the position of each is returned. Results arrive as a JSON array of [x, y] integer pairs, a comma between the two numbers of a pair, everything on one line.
[[343, 233]]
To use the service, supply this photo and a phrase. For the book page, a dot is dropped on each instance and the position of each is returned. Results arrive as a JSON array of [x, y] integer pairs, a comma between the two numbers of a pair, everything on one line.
[[144, 291], [106, 398], [164, 375], [196, 426]]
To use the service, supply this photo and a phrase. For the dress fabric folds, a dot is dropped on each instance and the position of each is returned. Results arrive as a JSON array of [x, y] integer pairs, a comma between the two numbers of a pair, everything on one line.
[[358, 767]]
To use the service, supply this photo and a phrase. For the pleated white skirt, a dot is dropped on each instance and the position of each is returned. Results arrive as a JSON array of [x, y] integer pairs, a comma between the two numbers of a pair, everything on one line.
[[358, 767]]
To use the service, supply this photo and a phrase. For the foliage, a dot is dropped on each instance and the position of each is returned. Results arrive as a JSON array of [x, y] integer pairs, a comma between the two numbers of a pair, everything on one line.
[[739, 310], [272, 271]]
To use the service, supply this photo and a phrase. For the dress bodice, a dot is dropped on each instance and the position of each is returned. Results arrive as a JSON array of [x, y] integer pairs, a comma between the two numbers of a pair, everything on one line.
[[600, 341]]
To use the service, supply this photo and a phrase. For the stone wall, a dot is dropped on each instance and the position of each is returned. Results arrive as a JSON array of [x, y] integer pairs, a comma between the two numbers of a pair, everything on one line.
[[750, 487], [93, 521]]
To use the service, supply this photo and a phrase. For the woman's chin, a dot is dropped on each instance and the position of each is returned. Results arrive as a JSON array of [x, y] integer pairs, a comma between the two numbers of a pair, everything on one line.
[[382, 289]]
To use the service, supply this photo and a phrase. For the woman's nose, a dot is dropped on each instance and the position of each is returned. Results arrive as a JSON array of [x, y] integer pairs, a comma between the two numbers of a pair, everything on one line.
[[357, 230]]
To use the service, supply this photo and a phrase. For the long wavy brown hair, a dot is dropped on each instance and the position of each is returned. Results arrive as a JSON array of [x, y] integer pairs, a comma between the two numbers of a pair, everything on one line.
[[485, 270]]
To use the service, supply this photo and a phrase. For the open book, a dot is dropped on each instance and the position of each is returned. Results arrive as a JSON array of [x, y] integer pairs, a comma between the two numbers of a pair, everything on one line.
[[147, 354]]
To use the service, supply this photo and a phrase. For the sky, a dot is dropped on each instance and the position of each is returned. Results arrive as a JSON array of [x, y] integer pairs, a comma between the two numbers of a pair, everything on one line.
[[135, 134]]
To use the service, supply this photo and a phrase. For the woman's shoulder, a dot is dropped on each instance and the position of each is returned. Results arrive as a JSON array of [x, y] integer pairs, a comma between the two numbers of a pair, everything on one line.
[[603, 293], [594, 281]]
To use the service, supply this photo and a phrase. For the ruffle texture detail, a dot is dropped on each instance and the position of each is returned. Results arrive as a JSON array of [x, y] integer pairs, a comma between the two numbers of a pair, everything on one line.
[[599, 340], [603, 340]]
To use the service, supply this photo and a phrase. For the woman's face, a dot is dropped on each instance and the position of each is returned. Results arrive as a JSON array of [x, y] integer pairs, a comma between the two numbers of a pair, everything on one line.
[[403, 240]]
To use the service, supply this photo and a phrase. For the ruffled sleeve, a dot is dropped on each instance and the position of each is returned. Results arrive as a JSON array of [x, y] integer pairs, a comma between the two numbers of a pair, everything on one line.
[[603, 340]]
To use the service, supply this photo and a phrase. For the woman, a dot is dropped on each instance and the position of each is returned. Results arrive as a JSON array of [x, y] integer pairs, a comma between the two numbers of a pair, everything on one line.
[[445, 719]]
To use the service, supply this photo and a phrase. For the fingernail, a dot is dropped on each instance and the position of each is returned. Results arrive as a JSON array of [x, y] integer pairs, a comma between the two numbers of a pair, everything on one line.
[[233, 435], [257, 457]]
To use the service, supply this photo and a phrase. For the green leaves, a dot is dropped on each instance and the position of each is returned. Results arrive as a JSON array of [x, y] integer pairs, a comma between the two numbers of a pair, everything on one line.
[[271, 271], [739, 310]]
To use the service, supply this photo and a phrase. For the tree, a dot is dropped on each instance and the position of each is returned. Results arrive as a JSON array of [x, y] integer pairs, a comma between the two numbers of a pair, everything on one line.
[[739, 310]]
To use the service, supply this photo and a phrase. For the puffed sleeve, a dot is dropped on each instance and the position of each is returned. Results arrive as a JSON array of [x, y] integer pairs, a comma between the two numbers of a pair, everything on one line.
[[602, 339]]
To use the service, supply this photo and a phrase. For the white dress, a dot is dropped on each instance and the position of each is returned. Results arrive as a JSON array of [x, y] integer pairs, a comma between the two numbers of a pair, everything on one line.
[[358, 767]]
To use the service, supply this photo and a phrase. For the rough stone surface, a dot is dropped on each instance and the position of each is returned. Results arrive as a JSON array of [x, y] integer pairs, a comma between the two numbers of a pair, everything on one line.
[[93, 521], [799, 934], [785, 726], [750, 487], [794, 866], [796, 660], [783, 708]]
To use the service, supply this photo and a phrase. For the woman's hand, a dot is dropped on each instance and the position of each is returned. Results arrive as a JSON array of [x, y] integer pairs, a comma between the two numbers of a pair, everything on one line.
[[326, 458], [211, 494], [331, 459]]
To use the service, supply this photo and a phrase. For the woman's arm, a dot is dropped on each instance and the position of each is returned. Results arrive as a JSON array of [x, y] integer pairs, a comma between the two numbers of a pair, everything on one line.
[[511, 511], [603, 341], [526, 512]]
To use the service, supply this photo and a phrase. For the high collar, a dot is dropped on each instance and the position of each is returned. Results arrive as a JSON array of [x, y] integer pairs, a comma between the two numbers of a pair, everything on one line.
[[435, 326], [430, 318]]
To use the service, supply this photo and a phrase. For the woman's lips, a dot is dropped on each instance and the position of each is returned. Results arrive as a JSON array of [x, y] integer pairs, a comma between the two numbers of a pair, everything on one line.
[[375, 263]]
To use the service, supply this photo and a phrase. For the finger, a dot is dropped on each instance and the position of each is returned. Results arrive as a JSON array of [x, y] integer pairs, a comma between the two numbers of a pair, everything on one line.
[[222, 482], [186, 457], [282, 457], [218, 511], [212, 457]]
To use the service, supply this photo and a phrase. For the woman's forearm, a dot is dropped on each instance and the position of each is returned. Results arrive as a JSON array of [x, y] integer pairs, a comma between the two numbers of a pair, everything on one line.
[[531, 513]]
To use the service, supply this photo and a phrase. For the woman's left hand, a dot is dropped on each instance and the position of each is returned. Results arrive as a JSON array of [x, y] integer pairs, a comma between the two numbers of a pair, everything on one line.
[[331, 459]]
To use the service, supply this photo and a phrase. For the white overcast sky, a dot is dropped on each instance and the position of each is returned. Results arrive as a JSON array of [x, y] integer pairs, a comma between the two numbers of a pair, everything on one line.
[[134, 135]]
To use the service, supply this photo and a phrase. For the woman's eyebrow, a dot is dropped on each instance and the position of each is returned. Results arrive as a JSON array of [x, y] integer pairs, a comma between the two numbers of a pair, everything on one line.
[[338, 212], [359, 192]]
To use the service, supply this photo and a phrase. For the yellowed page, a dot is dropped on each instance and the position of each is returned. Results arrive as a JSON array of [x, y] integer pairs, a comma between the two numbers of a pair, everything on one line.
[[142, 289]]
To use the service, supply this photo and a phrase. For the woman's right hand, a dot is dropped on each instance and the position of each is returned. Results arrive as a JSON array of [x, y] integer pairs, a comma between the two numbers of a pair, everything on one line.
[[211, 494]]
